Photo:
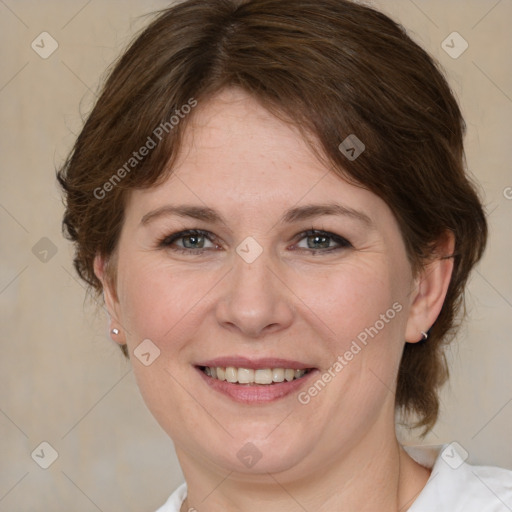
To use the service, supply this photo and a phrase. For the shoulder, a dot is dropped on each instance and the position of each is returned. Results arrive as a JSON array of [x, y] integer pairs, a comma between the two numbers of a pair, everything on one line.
[[175, 500], [454, 485]]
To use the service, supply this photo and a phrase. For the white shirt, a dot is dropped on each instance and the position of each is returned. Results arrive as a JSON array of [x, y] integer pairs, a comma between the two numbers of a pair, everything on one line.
[[453, 486]]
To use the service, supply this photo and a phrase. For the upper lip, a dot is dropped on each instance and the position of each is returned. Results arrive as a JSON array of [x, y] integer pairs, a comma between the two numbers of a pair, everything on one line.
[[255, 364]]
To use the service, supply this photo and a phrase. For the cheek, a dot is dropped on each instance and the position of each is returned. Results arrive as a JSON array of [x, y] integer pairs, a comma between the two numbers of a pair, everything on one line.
[[360, 309], [156, 298], [157, 303], [354, 300]]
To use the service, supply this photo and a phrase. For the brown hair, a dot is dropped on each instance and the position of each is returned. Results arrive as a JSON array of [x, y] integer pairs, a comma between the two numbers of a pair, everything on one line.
[[332, 67]]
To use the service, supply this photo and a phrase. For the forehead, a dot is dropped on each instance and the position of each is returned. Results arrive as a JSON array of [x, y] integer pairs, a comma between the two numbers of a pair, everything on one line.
[[239, 158], [234, 129]]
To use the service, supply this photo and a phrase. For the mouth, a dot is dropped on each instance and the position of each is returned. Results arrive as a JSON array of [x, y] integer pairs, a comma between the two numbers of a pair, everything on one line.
[[255, 381], [250, 377]]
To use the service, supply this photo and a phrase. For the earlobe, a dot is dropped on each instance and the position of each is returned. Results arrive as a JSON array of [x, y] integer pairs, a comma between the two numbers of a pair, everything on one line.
[[110, 299], [430, 290]]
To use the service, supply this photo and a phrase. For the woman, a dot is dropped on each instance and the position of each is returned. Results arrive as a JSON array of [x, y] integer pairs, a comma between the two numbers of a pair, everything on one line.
[[272, 198]]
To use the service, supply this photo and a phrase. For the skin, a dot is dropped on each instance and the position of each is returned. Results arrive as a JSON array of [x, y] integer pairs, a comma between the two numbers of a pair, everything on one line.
[[339, 451]]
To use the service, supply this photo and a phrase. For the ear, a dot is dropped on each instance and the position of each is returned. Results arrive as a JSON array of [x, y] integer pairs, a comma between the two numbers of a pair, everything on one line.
[[430, 290], [110, 297]]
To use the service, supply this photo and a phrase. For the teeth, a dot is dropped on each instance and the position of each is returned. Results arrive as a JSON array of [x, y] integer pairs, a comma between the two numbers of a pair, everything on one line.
[[278, 375], [246, 375], [250, 376], [263, 376], [289, 375], [231, 374]]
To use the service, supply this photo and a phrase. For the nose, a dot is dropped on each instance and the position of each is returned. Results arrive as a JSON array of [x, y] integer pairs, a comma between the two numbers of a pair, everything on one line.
[[255, 301]]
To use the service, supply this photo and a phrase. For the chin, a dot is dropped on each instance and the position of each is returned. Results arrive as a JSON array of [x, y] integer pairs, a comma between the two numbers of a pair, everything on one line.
[[262, 452]]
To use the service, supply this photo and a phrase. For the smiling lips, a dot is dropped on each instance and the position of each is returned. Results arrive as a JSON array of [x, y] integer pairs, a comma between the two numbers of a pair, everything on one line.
[[254, 381], [250, 376]]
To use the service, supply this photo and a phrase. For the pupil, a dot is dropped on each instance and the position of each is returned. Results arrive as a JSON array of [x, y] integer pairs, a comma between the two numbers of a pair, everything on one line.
[[193, 238], [319, 237]]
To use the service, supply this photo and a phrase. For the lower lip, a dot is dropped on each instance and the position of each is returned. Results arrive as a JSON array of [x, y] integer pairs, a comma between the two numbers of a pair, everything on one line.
[[254, 394]]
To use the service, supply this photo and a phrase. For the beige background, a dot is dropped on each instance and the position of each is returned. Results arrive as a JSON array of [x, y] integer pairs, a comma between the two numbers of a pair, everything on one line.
[[62, 380]]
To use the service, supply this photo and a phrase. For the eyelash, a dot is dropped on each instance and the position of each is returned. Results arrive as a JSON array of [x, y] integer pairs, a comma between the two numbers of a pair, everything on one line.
[[167, 242]]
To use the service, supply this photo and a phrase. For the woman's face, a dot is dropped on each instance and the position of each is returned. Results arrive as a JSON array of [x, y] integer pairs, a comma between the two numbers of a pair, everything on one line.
[[257, 292]]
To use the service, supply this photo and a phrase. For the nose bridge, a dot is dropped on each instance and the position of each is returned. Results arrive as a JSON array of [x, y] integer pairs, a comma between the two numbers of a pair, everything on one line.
[[254, 298]]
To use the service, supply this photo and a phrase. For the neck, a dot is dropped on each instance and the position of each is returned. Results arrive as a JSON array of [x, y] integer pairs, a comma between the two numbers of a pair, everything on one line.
[[371, 476]]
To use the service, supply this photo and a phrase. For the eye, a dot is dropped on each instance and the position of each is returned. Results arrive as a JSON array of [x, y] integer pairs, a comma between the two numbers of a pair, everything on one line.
[[193, 241], [319, 241]]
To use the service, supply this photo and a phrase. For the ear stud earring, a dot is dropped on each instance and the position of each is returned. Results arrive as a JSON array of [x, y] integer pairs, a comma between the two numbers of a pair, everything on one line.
[[115, 331]]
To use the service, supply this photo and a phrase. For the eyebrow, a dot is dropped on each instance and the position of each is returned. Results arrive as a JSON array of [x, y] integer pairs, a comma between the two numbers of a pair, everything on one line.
[[296, 214]]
